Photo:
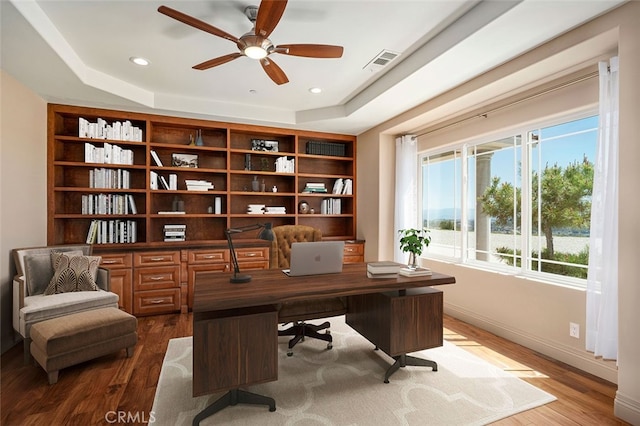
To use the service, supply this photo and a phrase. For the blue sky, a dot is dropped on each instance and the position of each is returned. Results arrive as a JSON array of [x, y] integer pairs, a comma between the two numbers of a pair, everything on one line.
[[561, 144]]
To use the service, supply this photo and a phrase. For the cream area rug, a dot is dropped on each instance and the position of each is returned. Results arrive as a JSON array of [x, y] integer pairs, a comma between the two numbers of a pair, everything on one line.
[[344, 386]]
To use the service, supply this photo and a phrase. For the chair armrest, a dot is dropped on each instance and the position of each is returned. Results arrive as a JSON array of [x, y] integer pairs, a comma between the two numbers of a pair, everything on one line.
[[103, 279], [19, 291]]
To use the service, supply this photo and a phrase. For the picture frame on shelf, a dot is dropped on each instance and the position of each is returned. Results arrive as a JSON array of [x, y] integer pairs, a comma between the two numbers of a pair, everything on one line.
[[264, 145], [184, 160]]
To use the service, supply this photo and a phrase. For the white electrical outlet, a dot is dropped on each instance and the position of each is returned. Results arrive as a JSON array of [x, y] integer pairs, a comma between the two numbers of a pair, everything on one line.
[[574, 330]]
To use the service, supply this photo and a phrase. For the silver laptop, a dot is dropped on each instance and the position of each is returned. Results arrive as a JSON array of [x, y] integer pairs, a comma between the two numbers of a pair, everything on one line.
[[315, 258]]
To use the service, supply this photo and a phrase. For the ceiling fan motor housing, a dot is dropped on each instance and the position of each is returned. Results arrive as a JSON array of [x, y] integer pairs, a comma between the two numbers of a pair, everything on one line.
[[251, 40]]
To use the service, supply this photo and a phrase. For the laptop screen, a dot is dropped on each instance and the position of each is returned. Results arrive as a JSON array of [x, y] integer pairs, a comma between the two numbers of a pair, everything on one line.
[[315, 258]]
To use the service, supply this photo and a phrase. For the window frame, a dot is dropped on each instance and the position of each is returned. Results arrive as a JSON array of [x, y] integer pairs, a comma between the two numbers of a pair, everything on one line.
[[523, 130]]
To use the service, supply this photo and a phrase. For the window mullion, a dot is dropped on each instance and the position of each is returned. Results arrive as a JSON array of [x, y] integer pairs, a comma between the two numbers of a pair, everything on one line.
[[525, 214]]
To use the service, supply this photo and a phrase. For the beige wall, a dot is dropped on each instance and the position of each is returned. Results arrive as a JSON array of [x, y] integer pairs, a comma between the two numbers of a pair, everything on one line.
[[532, 313], [23, 183]]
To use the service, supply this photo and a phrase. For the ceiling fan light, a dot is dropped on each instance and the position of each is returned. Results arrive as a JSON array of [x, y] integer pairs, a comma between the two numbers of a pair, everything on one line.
[[255, 52]]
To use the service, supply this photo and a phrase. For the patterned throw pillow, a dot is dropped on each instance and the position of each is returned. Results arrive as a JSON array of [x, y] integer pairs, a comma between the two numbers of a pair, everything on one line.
[[73, 273]]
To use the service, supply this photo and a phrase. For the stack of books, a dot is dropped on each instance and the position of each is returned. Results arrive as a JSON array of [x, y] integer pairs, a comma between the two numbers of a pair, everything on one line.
[[312, 187], [418, 272], [255, 208], [175, 232], [198, 185], [384, 269], [275, 210]]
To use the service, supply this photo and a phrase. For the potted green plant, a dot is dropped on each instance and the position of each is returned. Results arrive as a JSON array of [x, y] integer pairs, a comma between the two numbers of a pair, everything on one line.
[[413, 241]]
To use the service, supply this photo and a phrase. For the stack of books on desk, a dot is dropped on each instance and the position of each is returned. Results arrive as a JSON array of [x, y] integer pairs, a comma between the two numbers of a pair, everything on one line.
[[383, 269], [175, 232], [418, 272]]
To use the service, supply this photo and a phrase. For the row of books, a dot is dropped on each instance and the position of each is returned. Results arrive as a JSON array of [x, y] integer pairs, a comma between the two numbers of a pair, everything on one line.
[[285, 165], [112, 232], [343, 186], [118, 130], [107, 154], [110, 178], [389, 269], [326, 148], [117, 204], [158, 181], [175, 232], [331, 206]]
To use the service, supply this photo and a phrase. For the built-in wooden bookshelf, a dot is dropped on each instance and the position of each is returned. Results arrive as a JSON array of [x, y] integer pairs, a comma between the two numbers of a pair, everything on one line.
[[225, 158]]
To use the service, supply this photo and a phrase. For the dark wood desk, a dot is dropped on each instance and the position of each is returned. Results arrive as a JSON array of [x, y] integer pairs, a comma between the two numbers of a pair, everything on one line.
[[235, 326]]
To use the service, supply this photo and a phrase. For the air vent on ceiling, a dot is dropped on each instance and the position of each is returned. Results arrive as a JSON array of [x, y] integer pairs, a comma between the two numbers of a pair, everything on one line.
[[381, 60]]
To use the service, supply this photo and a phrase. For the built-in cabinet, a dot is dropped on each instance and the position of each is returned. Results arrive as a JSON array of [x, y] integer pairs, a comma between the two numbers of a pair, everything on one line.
[[93, 178], [154, 195]]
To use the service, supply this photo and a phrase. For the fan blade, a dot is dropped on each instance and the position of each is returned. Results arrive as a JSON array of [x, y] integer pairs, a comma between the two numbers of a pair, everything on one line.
[[217, 61], [273, 71], [310, 50], [269, 14], [196, 23]]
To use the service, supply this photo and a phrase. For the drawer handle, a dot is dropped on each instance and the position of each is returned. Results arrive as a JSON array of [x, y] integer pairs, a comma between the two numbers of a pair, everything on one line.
[[155, 302], [108, 262], [157, 278], [209, 256], [250, 254], [157, 259], [349, 249]]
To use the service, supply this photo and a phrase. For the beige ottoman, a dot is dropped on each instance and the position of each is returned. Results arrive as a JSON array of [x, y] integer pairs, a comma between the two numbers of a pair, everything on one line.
[[65, 341]]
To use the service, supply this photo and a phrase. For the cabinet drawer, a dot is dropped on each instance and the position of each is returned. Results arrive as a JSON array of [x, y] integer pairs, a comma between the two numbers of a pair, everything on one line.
[[353, 253], [253, 254], [116, 260], [196, 257], [159, 258], [155, 278], [156, 301]]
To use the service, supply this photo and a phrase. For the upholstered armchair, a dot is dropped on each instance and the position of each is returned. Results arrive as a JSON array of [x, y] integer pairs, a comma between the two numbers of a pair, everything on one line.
[[299, 312], [35, 270]]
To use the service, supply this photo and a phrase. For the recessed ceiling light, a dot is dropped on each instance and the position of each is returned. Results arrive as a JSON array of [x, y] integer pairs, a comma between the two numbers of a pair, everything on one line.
[[315, 90], [139, 61]]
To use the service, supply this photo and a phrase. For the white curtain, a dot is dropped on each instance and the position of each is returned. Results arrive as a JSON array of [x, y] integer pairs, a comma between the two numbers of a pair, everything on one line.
[[602, 279], [406, 208]]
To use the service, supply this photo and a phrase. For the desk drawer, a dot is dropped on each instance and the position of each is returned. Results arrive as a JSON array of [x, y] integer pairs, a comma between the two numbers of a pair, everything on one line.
[[156, 278], [159, 258], [156, 301], [353, 252]]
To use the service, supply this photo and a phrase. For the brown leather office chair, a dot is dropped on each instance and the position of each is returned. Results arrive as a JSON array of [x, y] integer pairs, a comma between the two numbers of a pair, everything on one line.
[[299, 312]]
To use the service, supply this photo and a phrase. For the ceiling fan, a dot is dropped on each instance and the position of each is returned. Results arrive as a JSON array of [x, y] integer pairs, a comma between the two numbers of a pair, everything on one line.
[[255, 44]]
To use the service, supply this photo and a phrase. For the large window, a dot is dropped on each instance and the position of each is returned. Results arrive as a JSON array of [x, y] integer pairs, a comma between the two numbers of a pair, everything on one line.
[[518, 203]]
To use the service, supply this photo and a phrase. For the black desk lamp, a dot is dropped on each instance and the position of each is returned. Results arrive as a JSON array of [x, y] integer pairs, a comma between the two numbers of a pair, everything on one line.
[[265, 234]]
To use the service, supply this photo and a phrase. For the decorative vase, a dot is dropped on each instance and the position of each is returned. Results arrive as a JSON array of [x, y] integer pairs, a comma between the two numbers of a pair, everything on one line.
[[413, 261], [199, 141]]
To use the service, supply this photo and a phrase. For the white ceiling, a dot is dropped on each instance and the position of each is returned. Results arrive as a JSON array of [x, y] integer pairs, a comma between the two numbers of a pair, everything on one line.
[[78, 52]]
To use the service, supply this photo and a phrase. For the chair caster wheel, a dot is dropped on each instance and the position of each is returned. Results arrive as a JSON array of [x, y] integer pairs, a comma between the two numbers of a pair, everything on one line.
[[329, 346], [289, 353], [386, 380]]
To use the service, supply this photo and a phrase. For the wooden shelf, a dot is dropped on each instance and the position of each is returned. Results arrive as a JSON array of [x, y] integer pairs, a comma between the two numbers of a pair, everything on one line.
[[222, 158]]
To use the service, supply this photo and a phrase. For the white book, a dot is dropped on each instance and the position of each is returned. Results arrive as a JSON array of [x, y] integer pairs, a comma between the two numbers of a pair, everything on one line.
[[132, 204], [153, 183], [338, 186], [173, 181], [156, 158]]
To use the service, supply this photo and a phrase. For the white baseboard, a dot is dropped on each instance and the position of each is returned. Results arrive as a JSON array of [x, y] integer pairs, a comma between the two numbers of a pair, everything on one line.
[[582, 360], [626, 409]]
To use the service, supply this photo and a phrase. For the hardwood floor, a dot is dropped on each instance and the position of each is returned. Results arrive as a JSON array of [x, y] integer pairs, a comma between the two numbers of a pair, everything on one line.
[[119, 390]]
